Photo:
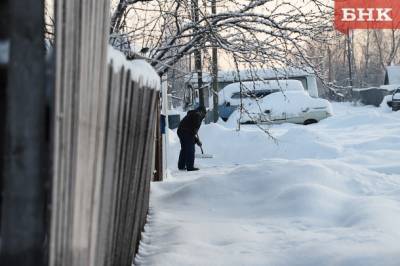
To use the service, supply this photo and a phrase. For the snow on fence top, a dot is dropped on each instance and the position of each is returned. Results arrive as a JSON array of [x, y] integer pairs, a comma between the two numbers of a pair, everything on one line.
[[141, 71]]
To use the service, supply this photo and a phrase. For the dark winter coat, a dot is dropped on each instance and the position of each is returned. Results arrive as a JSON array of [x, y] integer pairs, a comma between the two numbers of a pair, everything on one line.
[[191, 122]]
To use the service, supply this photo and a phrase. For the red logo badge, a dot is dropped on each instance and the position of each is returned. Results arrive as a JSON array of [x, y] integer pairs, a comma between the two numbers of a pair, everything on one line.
[[367, 14]]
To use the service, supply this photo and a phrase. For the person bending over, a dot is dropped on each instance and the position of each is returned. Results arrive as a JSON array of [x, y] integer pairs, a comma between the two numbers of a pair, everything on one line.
[[187, 133]]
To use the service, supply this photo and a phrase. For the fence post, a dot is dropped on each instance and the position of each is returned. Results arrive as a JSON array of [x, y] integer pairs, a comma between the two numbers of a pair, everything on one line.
[[22, 230], [4, 54], [164, 94]]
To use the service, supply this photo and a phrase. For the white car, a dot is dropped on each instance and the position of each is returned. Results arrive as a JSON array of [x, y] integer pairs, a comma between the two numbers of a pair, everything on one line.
[[247, 92], [286, 107]]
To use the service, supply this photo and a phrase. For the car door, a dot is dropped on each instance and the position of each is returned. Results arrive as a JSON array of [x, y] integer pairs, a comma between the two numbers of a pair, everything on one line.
[[274, 109], [278, 115]]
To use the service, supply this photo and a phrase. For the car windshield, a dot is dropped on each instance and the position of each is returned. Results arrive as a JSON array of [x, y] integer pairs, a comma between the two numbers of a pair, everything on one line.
[[253, 94]]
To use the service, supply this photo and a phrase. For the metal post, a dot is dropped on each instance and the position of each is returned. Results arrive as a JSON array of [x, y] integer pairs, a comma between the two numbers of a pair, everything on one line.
[[4, 55], [197, 54], [23, 231], [164, 111], [215, 70], [349, 59]]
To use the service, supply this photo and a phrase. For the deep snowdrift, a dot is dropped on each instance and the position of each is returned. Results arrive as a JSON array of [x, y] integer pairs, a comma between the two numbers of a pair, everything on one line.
[[325, 194]]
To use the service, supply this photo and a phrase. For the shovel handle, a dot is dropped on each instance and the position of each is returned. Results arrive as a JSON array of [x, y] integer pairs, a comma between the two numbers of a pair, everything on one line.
[[201, 150]]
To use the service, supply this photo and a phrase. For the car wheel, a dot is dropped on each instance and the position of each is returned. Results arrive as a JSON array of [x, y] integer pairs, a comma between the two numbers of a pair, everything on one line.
[[310, 121]]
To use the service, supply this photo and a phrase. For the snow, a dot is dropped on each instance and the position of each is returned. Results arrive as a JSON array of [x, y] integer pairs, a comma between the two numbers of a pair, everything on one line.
[[367, 89], [141, 71], [384, 106], [325, 194], [306, 74], [246, 74], [389, 88], [393, 73]]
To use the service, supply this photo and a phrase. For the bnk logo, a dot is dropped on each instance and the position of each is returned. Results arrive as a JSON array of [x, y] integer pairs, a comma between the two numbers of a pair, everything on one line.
[[367, 14]]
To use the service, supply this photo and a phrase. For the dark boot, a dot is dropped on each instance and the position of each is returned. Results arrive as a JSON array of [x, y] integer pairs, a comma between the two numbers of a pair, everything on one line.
[[193, 169]]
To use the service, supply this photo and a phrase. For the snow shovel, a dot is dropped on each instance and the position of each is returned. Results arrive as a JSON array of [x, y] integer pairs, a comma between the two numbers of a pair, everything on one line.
[[202, 155]]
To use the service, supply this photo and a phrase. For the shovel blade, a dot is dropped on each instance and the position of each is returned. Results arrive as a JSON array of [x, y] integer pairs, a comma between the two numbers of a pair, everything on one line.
[[204, 156]]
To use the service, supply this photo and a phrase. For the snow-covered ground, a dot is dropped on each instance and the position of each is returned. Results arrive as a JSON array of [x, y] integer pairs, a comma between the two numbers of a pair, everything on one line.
[[325, 194]]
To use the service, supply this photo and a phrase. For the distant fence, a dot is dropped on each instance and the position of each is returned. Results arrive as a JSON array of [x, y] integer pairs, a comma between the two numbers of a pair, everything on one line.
[[370, 96], [104, 144]]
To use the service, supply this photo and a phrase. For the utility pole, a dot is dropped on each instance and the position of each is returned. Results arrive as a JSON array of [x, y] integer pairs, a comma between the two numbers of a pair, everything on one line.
[[197, 53], [349, 58], [330, 76], [214, 68]]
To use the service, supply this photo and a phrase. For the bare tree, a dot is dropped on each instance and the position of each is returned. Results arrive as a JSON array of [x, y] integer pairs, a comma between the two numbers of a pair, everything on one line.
[[260, 33], [49, 25], [252, 35]]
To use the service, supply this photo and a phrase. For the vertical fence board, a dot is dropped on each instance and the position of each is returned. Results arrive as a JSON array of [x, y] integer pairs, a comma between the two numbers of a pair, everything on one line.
[[107, 188], [135, 186]]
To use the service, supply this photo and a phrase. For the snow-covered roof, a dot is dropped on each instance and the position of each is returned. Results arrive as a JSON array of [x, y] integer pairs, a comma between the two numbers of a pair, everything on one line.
[[393, 75], [141, 71], [367, 89], [255, 74]]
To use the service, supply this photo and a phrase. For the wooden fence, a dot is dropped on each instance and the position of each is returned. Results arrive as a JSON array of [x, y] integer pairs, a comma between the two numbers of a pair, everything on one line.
[[77, 158], [104, 144]]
